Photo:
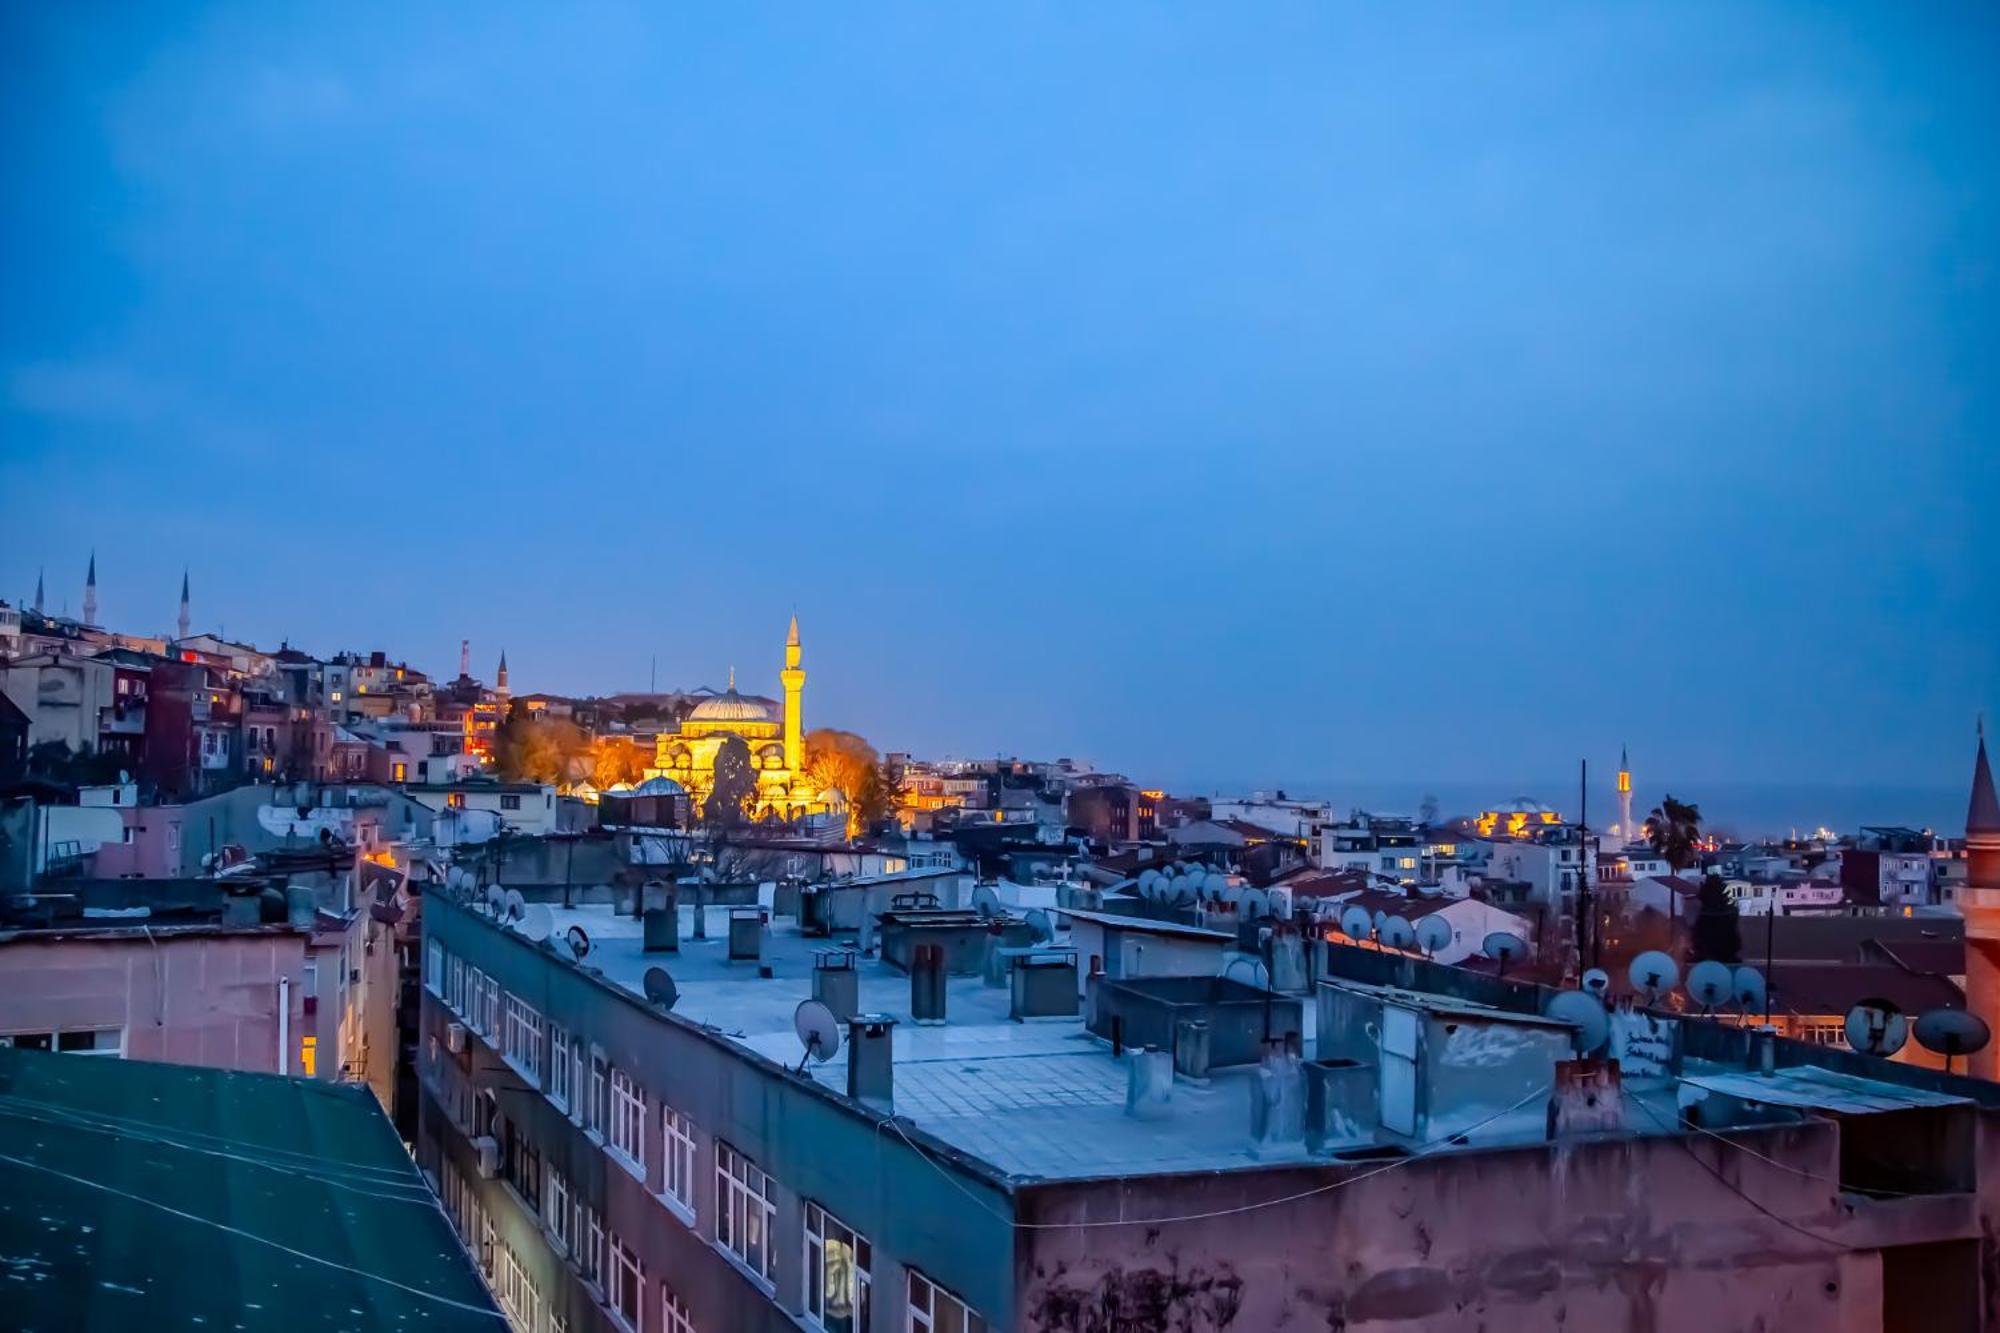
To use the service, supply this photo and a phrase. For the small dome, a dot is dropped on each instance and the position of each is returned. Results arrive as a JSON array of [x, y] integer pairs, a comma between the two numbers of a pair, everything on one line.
[[733, 707], [659, 787]]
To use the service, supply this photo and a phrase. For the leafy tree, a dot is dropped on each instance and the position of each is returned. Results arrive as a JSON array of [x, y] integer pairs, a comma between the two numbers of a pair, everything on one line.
[[52, 761], [1718, 929], [1673, 830], [872, 803], [734, 788], [616, 759], [849, 765]]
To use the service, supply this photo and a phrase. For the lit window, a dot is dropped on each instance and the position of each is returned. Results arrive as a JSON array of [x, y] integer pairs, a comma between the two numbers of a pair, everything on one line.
[[935, 1310], [336, 696], [309, 1056], [837, 1264], [744, 1212]]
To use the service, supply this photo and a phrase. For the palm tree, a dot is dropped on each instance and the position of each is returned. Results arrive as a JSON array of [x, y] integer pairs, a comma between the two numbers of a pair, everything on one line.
[[1673, 829]]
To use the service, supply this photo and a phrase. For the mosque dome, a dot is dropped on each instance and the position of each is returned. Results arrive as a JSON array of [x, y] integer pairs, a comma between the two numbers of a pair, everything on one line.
[[659, 787], [734, 707]]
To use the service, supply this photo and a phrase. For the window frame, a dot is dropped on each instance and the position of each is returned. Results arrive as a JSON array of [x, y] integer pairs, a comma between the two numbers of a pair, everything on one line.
[[625, 1137], [741, 1184], [678, 1157], [819, 1280], [626, 1267]]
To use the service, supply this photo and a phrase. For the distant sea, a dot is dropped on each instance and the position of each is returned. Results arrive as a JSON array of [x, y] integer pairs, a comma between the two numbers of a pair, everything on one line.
[[1744, 809]]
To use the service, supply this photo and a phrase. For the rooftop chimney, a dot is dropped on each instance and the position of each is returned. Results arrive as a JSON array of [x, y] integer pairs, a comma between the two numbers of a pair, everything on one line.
[[927, 983], [1278, 1098], [662, 917], [836, 983], [871, 1063], [1587, 1099], [1149, 1084]]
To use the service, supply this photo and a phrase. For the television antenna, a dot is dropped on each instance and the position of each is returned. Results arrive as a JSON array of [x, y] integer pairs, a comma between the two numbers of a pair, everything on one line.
[[1504, 947], [819, 1031], [1748, 988], [579, 942], [1709, 984], [1951, 1033], [986, 901], [1597, 981], [1877, 1027], [1040, 929], [660, 987], [1653, 974], [536, 922], [1356, 924], [496, 902], [1586, 1012], [1396, 933], [1433, 933], [1256, 904], [513, 906]]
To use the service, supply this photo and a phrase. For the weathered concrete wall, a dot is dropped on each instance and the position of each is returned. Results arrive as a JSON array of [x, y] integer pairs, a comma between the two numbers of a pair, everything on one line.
[[1631, 1235]]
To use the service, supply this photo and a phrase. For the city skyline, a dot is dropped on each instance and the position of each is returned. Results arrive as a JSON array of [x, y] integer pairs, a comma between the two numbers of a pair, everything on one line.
[[1201, 396]]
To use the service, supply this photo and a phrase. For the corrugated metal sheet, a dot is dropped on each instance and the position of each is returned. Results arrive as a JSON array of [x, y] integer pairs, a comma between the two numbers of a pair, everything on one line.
[[1813, 1088]]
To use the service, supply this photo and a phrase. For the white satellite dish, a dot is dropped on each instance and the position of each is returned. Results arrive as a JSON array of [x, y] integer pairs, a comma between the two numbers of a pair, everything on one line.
[[1653, 974], [986, 901], [1147, 879], [579, 942], [1256, 904], [660, 987], [1747, 988], [1710, 984], [1877, 1027], [1504, 947], [818, 1029], [1951, 1033], [496, 901], [1396, 933], [513, 906], [1356, 923], [537, 922], [1232, 894], [1039, 927], [1216, 885], [1597, 981], [1433, 934], [1586, 1012]]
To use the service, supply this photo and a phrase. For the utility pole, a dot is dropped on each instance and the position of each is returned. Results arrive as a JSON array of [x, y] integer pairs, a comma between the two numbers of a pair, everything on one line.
[[1586, 919]]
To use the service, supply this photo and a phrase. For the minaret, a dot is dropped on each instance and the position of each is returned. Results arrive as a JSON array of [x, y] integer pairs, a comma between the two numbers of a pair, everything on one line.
[[184, 602], [794, 677], [1979, 901], [90, 592], [464, 659], [500, 680], [38, 594], [1625, 797]]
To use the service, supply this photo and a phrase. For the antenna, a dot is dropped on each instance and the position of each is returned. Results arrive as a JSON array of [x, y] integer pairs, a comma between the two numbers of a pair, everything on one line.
[[1040, 928], [1952, 1033], [578, 941], [1747, 988], [496, 901], [1653, 974], [1504, 947], [660, 987], [1877, 1027], [818, 1029], [986, 901], [1396, 933], [1586, 1012], [513, 906], [1710, 984], [1433, 933], [1216, 885], [1356, 924], [1256, 904], [1597, 981], [536, 922]]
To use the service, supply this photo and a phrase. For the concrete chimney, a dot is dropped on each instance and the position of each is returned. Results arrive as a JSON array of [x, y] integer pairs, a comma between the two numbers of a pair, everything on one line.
[[927, 984], [1587, 1099], [836, 982], [662, 919], [1149, 1084], [1278, 1100], [871, 1062]]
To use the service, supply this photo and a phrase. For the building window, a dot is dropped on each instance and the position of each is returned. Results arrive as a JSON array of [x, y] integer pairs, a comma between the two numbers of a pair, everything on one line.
[[677, 1166], [560, 1068], [454, 800], [628, 1121], [593, 1102], [309, 1056], [837, 1264], [591, 1261], [935, 1310], [510, 801], [70, 1041], [489, 1009], [556, 1206], [517, 1295], [744, 1212], [521, 1042], [434, 967], [628, 1286], [674, 1317]]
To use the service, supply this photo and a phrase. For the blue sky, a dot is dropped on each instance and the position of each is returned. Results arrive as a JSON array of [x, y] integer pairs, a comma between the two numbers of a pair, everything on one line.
[[1292, 392]]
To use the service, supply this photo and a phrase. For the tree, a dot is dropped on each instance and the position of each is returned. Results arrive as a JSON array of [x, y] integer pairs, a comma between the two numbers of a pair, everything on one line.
[[1673, 830], [1718, 930], [734, 788], [849, 765], [616, 759]]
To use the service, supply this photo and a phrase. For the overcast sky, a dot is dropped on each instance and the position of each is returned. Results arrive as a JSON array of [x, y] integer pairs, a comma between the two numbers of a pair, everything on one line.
[[1201, 389]]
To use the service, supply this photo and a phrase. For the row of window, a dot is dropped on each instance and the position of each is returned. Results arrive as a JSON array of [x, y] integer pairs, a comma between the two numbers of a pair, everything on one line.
[[70, 1041], [609, 1103]]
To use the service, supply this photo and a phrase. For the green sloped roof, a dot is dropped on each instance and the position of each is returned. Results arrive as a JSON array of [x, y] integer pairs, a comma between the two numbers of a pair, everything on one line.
[[138, 1195]]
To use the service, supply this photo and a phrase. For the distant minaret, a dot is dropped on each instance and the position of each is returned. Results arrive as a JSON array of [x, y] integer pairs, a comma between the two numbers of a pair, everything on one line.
[[500, 683], [465, 659], [184, 602], [1625, 829], [90, 592], [1979, 902], [794, 677], [38, 594]]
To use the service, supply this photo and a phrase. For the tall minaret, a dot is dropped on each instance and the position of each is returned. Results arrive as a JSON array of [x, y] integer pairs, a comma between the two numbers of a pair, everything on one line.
[[500, 680], [1979, 901], [1625, 797], [794, 677], [90, 592], [38, 594], [465, 659], [184, 602]]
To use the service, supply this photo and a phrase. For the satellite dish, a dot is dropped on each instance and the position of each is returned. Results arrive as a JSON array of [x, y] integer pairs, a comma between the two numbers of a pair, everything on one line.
[[1039, 927], [660, 987], [1710, 984], [1256, 903], [1597, 981], [1233, 894], [1504, 947], [1952, 1033], [1877, 1027], [513, 906], [579, 942], [1653, 974], [1216, 885], [1748, 989], [1433, 934], [1355, 923], [536, 922], [1586, 1011], [818, 1029], [1396, 933], [1147, 879], [986, 901], [496, 900]]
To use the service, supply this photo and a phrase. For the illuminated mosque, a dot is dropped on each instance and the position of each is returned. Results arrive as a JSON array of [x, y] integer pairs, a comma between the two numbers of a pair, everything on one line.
[[775, 734]]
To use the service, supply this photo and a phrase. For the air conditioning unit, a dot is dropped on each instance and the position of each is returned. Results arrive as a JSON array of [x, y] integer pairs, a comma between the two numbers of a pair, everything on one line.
[[454, 1038], [489, 1156]]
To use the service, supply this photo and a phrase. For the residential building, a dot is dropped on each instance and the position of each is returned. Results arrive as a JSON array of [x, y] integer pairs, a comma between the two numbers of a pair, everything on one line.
[[525, 808]]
